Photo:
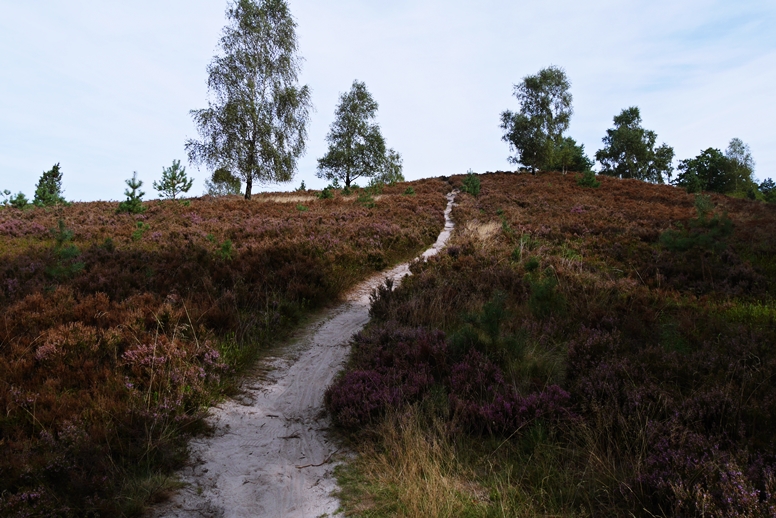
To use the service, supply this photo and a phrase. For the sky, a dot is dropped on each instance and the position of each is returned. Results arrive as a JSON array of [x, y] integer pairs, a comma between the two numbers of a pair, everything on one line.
[[105, 88]]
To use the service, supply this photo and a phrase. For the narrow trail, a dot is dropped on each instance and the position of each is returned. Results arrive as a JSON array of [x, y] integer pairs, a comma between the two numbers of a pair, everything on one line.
[[270, 455]]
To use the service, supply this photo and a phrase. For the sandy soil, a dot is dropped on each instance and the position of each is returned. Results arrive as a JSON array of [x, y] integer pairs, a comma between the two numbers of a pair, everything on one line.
[[270, 455]]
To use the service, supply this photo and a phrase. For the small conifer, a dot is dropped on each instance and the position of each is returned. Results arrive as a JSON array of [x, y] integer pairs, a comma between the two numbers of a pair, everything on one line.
[[48, 192], [134, 203], [174, 181]]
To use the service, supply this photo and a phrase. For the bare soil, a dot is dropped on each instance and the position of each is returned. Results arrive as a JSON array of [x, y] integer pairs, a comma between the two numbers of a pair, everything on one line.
[[270, 454]]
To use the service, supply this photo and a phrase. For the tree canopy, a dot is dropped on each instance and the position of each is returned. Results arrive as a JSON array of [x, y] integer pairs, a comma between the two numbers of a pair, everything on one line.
[[356, 145], [714, 171], [222, 183], [768, 188], [536, 131], [629, 150], [48, 191], [567, 155], [256, 121], [741, 164]]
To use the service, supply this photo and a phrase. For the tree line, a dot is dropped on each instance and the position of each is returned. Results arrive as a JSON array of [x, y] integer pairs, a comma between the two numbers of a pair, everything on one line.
[[255, 125], [536, 135], [254, 128]]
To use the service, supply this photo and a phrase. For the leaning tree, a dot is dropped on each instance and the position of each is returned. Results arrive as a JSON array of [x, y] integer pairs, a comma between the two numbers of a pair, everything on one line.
[[255, 124]]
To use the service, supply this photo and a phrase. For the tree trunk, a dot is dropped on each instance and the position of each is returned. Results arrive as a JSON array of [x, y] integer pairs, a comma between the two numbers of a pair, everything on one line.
[[248, 186]]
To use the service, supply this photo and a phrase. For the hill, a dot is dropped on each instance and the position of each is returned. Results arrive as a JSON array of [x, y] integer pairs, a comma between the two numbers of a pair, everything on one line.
[[576, 351], [117, 331]]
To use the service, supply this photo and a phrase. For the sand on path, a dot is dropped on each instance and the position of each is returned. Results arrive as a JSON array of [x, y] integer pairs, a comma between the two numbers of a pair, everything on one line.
[[270, 455]]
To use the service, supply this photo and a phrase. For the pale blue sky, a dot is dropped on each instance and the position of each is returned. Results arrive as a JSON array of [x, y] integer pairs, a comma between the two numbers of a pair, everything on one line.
[[105, 88]]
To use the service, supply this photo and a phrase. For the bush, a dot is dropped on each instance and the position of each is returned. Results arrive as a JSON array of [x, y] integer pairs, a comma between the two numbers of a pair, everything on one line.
[[366, 200], [107, 369], [17, 201], [545, 300], [650, 368], [587, 179], [701, 232], [65, 254], [140, 229], [48, 192], [134, 202], [326, 194], [471, 183], [391, 368]]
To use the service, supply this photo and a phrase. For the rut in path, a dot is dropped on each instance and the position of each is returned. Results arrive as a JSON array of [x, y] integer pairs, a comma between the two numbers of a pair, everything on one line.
[[270, 453]]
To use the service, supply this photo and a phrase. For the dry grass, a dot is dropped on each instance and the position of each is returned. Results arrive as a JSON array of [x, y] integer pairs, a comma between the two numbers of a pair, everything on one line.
[[479, 231], [415, 469], [417, 473], [285, 198]]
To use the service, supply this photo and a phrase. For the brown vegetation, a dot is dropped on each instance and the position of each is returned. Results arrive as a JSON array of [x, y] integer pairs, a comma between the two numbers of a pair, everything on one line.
[[118, 330], [576, 351]]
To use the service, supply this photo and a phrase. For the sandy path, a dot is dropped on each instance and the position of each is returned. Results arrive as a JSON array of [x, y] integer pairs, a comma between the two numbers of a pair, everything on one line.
[[270, 453]]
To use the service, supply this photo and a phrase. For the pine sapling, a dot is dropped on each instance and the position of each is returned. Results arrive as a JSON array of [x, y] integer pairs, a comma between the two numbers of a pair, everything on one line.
[[134, 203], [174, 181]]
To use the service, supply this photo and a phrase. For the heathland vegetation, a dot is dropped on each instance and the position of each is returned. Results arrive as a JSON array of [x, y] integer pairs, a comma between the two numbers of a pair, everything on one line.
[[576, 351], [119, 329], [586, 346]]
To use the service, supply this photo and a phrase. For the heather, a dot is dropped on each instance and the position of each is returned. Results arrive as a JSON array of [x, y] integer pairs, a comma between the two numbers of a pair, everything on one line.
[[575, 351], [120, 329]]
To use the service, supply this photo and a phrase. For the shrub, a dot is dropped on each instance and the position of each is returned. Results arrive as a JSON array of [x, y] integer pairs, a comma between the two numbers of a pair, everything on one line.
[[48, 191], [587, 179], [471, 183], [768, 188], [17, 201], [134, 202], [366, 200], [140, 229], [326, 193], [653, 382], [65, 254], [409, 191], [701, 232], [545, 300], [226, 251], [483, 402], [391, 368], [116, 361]]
